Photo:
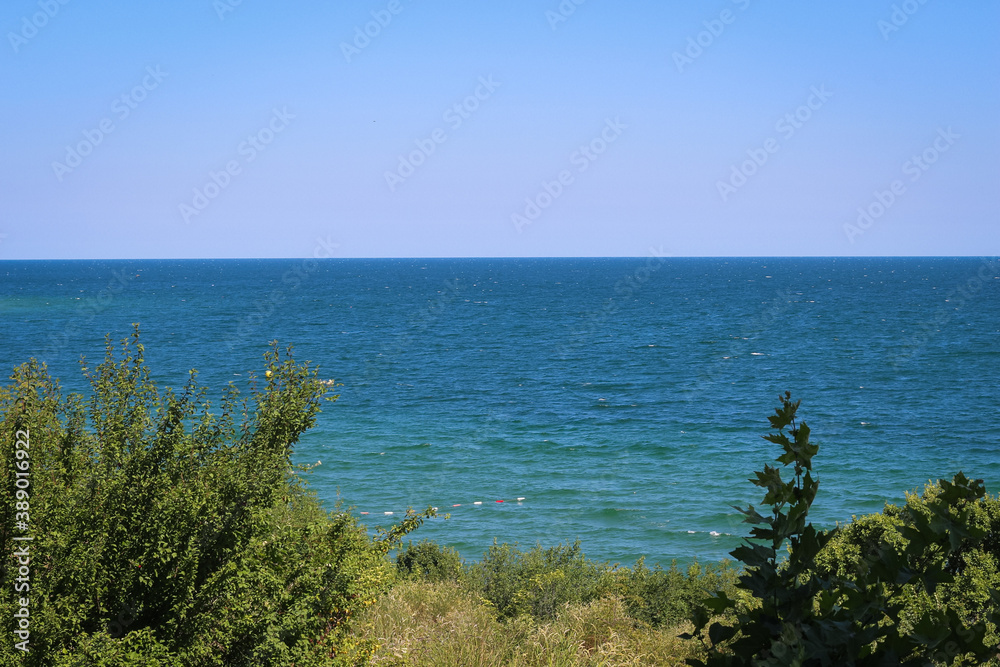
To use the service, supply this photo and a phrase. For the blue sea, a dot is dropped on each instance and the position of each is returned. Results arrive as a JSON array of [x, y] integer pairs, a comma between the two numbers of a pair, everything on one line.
[[622, 400]]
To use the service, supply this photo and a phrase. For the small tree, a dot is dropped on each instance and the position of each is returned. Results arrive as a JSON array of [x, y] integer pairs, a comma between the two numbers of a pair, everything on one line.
[[800, 617]]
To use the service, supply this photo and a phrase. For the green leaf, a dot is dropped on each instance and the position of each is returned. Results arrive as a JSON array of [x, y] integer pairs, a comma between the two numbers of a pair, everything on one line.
[[719, 633]]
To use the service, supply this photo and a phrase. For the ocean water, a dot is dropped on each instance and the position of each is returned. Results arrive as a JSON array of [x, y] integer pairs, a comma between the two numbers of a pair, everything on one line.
[[622, 399]]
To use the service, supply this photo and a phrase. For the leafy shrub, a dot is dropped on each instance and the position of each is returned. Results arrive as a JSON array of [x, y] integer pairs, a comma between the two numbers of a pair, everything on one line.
[[539, 581], [169, 534], [872, 610], [666, 597], [974, 566], [428, 561]]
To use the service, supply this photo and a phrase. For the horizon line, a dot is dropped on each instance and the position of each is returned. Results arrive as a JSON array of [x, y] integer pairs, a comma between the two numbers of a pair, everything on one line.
[[454, 257]]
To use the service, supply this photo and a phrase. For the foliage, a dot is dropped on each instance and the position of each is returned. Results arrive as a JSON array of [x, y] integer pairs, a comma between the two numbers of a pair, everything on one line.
[[974, 566], [820, 616], [666, 597], [539, 581], [428, 561], [166, 533]]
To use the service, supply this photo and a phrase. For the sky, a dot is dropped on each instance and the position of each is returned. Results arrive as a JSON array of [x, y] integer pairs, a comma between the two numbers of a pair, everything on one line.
[[415, 128]]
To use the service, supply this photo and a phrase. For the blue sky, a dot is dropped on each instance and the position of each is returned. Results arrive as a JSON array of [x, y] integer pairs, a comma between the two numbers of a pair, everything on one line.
[[201, 128]]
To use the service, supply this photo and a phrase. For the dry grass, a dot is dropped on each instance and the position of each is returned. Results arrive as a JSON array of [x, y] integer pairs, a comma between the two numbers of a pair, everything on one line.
[[441, 624]]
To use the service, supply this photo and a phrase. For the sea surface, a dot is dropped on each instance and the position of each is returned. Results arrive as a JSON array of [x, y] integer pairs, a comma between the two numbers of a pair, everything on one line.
[[623, 400]]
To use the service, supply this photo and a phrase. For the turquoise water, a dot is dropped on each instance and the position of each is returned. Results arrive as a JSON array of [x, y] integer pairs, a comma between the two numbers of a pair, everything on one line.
[[623, 399]]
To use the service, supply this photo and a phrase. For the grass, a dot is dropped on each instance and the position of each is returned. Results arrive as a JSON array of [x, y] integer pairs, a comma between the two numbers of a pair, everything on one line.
[[538, 606], [443, 624]]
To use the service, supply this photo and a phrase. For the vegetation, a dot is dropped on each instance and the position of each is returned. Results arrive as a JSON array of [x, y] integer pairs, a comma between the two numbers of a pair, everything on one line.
[[971, 574], [169, 531], [540, 582], [444, 624], [870, 597], [166, 534], [537, 607]]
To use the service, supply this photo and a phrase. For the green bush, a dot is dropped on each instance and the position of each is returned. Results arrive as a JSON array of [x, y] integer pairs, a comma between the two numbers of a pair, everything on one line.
[[539, 581], [974, 565], [666, 597], [858, 596], [166, 533], [427, 561]]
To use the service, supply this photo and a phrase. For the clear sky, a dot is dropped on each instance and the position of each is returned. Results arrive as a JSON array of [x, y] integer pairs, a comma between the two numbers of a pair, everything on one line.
[[421, 128]]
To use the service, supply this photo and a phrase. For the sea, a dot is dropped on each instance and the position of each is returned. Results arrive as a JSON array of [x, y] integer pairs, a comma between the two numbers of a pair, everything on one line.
[[615, 401]]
